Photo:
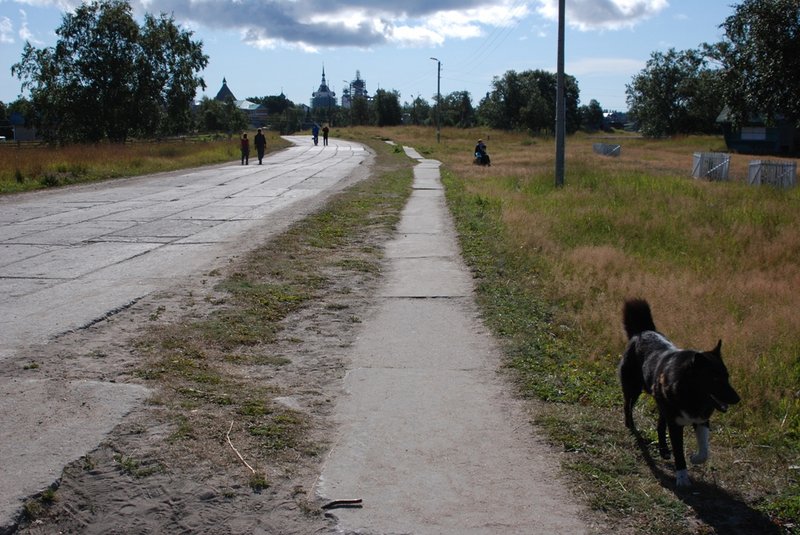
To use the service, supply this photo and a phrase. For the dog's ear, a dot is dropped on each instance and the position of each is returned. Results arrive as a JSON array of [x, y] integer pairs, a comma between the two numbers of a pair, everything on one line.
[[717, 349]]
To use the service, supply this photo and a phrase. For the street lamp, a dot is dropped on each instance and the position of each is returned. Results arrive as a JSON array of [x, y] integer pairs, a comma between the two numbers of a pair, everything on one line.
[[438, 96]]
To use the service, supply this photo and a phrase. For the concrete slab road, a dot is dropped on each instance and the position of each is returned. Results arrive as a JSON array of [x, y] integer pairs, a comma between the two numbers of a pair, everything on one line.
[[72, 256]]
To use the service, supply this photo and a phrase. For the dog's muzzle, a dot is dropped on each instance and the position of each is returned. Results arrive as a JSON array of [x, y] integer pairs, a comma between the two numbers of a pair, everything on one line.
[[721, 406]]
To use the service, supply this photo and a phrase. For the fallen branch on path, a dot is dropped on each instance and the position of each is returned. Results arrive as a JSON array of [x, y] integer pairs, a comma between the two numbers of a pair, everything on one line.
[[228, 436]]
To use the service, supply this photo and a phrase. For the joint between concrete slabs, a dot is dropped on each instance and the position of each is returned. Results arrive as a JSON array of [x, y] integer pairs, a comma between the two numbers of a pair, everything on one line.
[[420, 297]]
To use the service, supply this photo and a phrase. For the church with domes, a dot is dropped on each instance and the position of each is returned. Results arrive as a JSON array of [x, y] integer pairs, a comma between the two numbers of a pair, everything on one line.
[[324, 97]]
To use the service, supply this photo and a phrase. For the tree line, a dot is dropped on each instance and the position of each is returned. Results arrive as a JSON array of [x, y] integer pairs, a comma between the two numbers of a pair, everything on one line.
[[751, 72], [109, 78]]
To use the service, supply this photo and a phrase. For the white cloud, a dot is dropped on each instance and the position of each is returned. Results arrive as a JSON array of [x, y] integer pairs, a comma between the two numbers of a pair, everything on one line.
[[603, 14], [24, 31], [62, 5], [6, 30], [317, 24], [604, 66], [416, 36]]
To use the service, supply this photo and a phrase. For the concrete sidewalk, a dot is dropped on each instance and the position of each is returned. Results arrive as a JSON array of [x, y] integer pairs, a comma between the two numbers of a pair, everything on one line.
[[431, 437]]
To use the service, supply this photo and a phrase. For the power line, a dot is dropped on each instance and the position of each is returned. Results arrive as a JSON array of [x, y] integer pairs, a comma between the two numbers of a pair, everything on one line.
[[496, 38]]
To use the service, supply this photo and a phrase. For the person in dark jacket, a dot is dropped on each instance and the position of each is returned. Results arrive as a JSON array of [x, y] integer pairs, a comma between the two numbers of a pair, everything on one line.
[[245, 150], [260, 141], [481, 156]]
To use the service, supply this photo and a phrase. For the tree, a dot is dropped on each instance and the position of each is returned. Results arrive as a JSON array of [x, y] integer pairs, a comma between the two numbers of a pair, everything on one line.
[[218, 116], [457, 110], [418, 110], [386, 106], [760, 59], [108, 78], [275, 104], [168, 71], [592, 116], [675, 93], [359, 110], [527, 101]]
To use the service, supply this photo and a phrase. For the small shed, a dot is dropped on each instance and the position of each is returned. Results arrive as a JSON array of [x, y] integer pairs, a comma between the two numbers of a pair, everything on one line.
[[756, 137]]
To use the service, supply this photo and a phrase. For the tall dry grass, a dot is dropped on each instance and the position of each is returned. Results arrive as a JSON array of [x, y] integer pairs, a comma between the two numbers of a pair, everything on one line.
[[25, 167], [716, 260]]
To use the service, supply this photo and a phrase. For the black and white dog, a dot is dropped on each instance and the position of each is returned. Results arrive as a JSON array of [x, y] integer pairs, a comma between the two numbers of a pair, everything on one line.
[[687, 385]]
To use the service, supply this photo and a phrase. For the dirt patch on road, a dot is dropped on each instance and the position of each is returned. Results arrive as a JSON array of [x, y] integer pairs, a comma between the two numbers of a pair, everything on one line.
[[244, 365]]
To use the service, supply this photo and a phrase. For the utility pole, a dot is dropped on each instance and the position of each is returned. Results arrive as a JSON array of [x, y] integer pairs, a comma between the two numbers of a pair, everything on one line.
[[438, 98], [561, 114]]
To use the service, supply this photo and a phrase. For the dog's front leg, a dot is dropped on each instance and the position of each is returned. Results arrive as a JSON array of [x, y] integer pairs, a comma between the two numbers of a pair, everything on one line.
[[663, 449], [676, 438], [701, 431]]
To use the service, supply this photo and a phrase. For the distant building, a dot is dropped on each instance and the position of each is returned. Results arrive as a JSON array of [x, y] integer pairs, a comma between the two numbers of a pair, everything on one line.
[[323, 98], [225, 93], [755, 136], [256, 113], [614, 119], [356, 89]]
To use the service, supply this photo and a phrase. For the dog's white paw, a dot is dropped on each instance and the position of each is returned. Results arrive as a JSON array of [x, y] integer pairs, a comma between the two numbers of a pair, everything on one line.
[[699, 458], [682, 478]]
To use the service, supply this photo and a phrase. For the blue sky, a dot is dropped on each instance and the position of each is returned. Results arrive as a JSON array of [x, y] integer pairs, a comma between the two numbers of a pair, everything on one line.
[[263, 47]]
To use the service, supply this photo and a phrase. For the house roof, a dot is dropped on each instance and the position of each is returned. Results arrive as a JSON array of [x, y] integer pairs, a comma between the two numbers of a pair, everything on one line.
[[754, 119], [246, 105]]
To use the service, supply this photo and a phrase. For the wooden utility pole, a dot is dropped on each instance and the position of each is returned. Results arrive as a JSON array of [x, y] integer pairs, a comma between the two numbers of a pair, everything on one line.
[[561, 114], [438, 98]]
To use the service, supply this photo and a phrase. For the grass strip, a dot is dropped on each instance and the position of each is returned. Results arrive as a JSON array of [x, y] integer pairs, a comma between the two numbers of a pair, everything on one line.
[[582, 413], [202, 368]]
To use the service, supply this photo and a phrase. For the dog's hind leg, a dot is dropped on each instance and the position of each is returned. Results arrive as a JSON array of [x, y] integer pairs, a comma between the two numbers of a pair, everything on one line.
[[630, 377], [630, 401], [701, 431]]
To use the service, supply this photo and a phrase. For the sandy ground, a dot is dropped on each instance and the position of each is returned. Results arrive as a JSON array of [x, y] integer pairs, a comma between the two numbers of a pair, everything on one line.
[[195, 486], [200, 486]]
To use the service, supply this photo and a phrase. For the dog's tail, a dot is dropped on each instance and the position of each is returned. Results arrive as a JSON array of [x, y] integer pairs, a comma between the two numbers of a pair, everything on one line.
[[636, 317]]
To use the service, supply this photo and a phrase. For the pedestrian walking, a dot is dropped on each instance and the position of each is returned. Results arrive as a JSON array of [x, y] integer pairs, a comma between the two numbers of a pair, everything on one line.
[[315, 133], [325, 135], [245, 149], [260, 142]]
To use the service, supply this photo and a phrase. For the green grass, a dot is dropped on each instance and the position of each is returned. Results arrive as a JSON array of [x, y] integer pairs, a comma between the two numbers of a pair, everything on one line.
[[137, 468], [716, 260]]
